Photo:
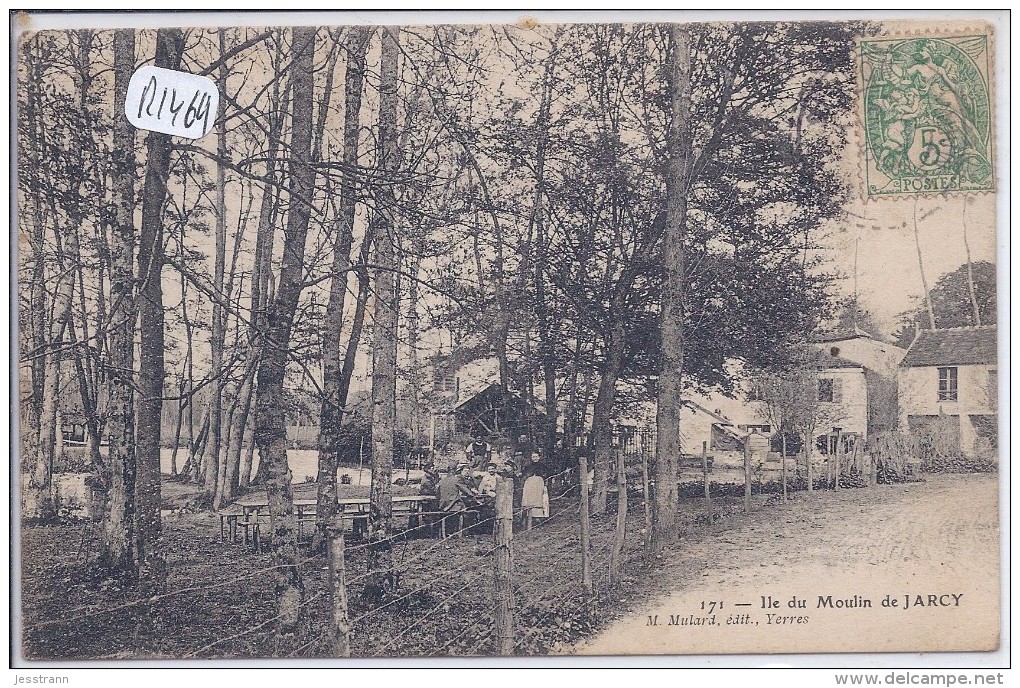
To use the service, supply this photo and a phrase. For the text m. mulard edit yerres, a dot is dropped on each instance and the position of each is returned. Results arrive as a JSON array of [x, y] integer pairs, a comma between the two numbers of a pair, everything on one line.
[[906, 601]]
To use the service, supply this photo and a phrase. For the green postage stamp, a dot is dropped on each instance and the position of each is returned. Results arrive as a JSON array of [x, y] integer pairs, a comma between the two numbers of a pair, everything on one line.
[[926, 106]]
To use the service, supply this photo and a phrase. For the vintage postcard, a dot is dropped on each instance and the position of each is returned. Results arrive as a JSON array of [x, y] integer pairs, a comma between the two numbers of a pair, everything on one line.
[[358, 338]]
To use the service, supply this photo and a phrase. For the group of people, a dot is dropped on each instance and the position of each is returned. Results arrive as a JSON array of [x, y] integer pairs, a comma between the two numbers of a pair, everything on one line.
[[471, 484]]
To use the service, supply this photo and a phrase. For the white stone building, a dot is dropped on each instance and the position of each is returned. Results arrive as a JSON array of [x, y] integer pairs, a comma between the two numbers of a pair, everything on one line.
[[950, 376]]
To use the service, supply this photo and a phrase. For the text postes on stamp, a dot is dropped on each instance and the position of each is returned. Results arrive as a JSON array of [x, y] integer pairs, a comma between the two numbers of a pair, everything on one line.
[[927, 115]]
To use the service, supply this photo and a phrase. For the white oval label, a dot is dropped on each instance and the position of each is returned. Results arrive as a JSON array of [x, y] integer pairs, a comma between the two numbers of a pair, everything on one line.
[[171, 102]]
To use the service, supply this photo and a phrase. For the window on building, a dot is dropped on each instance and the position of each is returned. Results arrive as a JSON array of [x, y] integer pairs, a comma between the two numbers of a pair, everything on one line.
[[948, 384], [826, 389], [445, 383]]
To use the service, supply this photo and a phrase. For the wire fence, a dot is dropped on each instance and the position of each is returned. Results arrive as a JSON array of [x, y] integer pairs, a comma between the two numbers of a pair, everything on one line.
[[442, 595]]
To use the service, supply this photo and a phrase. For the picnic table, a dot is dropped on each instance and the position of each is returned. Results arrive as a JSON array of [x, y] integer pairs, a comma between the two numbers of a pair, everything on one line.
[[248, 513]]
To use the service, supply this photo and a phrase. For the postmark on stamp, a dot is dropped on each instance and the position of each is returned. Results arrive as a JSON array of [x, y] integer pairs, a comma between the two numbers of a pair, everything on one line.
[[927, 114]]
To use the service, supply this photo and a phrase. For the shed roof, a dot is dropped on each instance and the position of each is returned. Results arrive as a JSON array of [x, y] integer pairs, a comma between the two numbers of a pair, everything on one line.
[[825, 360], [953, 346], [841, 335]]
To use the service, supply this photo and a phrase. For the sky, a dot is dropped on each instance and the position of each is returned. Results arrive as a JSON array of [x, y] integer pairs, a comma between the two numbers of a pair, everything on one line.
[[888, 275]]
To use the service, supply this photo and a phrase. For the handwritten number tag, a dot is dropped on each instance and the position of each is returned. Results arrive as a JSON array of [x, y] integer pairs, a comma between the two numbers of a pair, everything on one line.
[[171, 102]]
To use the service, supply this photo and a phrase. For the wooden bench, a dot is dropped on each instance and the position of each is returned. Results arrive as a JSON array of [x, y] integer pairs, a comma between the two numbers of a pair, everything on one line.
[[247, 514], [233, 520]]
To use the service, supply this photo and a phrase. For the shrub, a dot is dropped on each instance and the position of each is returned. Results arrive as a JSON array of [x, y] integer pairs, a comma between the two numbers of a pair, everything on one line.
[[895, 453], [959, 462]]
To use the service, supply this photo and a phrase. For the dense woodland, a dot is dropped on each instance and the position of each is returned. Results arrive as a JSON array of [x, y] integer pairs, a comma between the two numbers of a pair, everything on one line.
[[611, 212]]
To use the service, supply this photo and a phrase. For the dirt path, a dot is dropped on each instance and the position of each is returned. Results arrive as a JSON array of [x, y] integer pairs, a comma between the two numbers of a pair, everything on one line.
[[938, 539]]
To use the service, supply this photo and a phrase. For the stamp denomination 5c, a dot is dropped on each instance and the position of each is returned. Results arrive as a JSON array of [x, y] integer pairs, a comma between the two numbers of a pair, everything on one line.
[[927, 114]]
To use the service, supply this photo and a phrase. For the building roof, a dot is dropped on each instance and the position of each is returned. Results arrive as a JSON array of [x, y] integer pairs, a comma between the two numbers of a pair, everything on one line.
[[841, 335], [695, 405], [494, 391], [825, 360], [953, 346]]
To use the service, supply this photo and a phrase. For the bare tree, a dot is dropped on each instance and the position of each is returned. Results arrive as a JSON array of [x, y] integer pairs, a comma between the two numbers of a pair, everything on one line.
[[334, 394], [118, 539], [667, 416], [211, 463], [384, 347], [270, 419], [151, 370]]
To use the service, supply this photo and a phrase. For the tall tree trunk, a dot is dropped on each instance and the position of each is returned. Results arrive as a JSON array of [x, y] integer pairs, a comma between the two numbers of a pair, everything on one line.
[[270, 198], [571, 428], [238, 433], [151, 374], [384, 347], [261, 294], [189, 342], [546, 347], [244, 476], [416, 378], [270, 411], [970, 268], [503, 318], [331, 409], [602, 418], [88, 393], [31, 406], [40, 504], [39, 498], [358, 321], [214, 463], [182, 407], [117, 548], [667, 415], [84, 360], [920, 265]]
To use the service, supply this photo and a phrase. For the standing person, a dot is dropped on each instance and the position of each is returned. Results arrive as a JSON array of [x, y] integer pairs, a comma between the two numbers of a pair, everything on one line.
[[478, 453], [535, 466], [535, 494]]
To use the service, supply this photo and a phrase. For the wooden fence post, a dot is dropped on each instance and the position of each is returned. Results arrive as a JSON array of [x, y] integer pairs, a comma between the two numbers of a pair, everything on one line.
[[828, 461], [839, 457], [784, 465], [708, 485], [503, 590], [340, 630], [807, 461], [646, 491], [619, 537], [585, 527], [747, 474]]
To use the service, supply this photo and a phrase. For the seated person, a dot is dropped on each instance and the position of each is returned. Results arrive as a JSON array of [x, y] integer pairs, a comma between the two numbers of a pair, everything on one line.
[[468, 481], [456, 490], [487, 485], [429, 481]]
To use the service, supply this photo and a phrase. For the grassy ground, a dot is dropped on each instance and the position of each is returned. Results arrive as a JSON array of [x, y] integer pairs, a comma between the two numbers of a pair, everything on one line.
[[217, 598]]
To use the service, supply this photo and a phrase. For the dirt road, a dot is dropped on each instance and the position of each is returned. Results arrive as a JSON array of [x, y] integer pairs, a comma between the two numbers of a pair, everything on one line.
[[911, 567]]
